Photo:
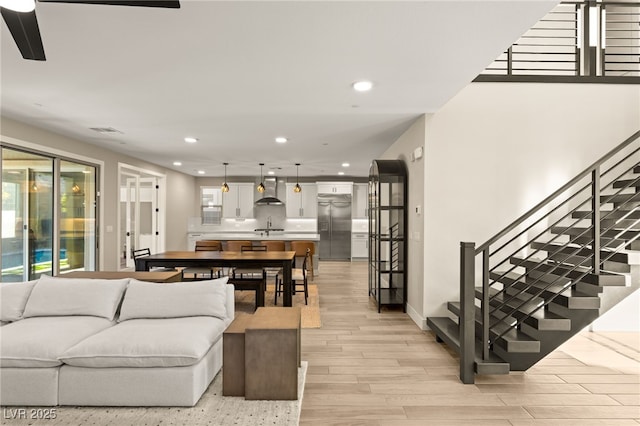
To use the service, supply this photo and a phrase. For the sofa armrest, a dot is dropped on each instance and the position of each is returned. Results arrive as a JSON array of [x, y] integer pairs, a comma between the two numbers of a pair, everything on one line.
[[231, 303]]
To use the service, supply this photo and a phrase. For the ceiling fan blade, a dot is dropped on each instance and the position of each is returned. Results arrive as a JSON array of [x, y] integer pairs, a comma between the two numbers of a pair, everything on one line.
[[26, 33], [174, 4]]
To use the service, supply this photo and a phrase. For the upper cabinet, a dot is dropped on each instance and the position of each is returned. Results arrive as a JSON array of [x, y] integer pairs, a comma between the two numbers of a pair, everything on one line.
[[303, 204], [360, 204], [335, 187], [238, 202]]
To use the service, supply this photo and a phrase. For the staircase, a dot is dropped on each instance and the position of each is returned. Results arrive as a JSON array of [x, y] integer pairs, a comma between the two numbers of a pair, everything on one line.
[[550, 273]]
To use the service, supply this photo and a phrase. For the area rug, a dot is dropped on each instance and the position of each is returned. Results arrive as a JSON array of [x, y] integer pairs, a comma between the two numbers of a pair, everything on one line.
[[213, 409], [310, 313]]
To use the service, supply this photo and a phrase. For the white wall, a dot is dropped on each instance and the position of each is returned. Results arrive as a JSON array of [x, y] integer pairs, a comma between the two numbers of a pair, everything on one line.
[[179, 200], [413, 138], [496, 149]]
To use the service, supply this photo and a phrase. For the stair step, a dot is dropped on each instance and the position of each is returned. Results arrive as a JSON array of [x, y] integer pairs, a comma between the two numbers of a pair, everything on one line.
[[581, 296], [496, 325], [629, 200], [627, 183], [636, 169], [447, 330], [607, 214], [578, 251], [515, 341], [586, 232], [627, 224], [581, 274], [540, 319], [608, 243]]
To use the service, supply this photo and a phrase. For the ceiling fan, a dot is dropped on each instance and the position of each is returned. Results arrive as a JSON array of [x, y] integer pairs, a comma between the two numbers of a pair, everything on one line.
[[20, 17]]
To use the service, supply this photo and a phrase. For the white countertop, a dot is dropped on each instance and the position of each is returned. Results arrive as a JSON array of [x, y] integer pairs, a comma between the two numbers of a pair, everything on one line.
[[256, 236]]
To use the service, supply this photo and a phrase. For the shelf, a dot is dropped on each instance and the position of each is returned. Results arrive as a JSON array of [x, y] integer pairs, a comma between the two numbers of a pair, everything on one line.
[[388, 193]]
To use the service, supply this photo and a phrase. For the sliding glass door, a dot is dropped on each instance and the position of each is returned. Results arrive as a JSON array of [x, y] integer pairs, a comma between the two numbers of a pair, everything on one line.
[[48, 215], [27, 209]]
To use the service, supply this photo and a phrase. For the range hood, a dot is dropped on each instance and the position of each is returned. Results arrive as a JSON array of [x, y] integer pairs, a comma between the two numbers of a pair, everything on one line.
[[270, 194]]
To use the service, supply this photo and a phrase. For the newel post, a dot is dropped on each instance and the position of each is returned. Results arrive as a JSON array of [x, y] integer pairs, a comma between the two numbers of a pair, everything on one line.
[[467, 312]]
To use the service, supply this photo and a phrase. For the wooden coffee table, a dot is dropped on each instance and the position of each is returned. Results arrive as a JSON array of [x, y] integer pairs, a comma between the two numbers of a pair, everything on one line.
[[261, 355], [151, 276]]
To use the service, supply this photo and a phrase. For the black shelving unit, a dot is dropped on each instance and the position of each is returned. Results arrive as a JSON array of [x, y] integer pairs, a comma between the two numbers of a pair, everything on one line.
[[387, 233]]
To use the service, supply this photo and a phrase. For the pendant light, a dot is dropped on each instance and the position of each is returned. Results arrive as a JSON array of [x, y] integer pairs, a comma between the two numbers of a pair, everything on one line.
[[297, 188], [261, 186], [225, 187]]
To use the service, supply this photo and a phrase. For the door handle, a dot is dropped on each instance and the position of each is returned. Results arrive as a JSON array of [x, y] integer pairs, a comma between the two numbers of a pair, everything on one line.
[[128, 234]]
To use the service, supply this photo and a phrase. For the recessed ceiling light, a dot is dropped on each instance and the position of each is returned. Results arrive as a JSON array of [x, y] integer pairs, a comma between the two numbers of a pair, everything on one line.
[[190, 140], [200, 172], [362, 86], [341, 173], [345, 164], [281, 139], [177, 163]]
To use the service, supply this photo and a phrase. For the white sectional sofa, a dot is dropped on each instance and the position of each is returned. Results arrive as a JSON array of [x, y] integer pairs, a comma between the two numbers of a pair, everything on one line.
[[66, 341]]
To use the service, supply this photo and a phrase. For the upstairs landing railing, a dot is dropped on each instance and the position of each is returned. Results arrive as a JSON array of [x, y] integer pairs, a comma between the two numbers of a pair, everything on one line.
[[569, 224], [581, 41]]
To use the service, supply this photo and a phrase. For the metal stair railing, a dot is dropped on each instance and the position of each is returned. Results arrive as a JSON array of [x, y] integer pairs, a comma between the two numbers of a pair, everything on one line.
[[505, 255], [581, 41]]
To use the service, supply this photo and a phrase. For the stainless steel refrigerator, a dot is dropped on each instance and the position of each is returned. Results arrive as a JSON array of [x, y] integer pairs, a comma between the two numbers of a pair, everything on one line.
[[334, 226]]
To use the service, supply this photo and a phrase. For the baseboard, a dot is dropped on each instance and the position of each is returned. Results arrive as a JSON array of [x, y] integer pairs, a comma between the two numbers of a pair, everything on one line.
[[419, 319]]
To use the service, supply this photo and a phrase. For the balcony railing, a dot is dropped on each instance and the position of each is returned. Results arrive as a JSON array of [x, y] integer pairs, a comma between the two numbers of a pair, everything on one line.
[[584, 41]]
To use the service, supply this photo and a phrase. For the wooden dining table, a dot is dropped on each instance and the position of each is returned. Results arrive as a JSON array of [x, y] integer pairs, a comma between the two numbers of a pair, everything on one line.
[[225, 259]]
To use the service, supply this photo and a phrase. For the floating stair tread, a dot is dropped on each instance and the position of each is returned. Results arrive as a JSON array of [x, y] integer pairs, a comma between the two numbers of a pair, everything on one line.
[[620, 198], [627, 183], [579, 251], [586, 232], [561, 294], [516, 341], [577, 273], [447, 330], [607, 214]]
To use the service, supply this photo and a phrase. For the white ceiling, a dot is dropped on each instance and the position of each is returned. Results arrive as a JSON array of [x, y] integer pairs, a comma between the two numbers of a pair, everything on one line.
[[236, 74]]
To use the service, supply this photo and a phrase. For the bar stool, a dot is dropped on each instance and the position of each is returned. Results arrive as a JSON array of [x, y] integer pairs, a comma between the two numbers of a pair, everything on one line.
[[301, 247]]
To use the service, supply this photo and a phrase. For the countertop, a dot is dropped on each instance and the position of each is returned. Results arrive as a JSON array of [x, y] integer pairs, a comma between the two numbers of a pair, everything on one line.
[[256, 236]]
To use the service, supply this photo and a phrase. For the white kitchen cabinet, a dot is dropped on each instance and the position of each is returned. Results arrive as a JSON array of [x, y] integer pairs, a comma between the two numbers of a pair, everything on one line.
[[359, 246], [238, 202], [335, 187], [360, 204], [303, 204]]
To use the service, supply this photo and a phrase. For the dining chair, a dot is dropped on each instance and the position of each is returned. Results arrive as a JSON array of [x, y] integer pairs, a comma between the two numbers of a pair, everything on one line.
[[249, 273], [273, 245], [203, 273], [298, 278], [301, 247], [144, 252]]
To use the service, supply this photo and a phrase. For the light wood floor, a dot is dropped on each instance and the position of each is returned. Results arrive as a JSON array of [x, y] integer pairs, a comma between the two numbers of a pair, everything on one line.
[[367, 368]]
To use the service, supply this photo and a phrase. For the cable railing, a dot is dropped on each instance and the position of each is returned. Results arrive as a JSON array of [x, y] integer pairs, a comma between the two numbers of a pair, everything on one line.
[[580, 227], [575, 41]]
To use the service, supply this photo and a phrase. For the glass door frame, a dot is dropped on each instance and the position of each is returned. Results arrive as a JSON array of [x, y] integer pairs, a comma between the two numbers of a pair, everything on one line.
[[57, 156]]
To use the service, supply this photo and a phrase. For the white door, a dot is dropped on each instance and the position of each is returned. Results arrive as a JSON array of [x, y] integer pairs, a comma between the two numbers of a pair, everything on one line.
[[141, 215]]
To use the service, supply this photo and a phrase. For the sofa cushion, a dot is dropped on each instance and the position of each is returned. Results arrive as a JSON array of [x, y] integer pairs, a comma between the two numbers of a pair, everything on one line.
[[167, 342], [174, 300], [13, 298], [38, 342], [58, 296]]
